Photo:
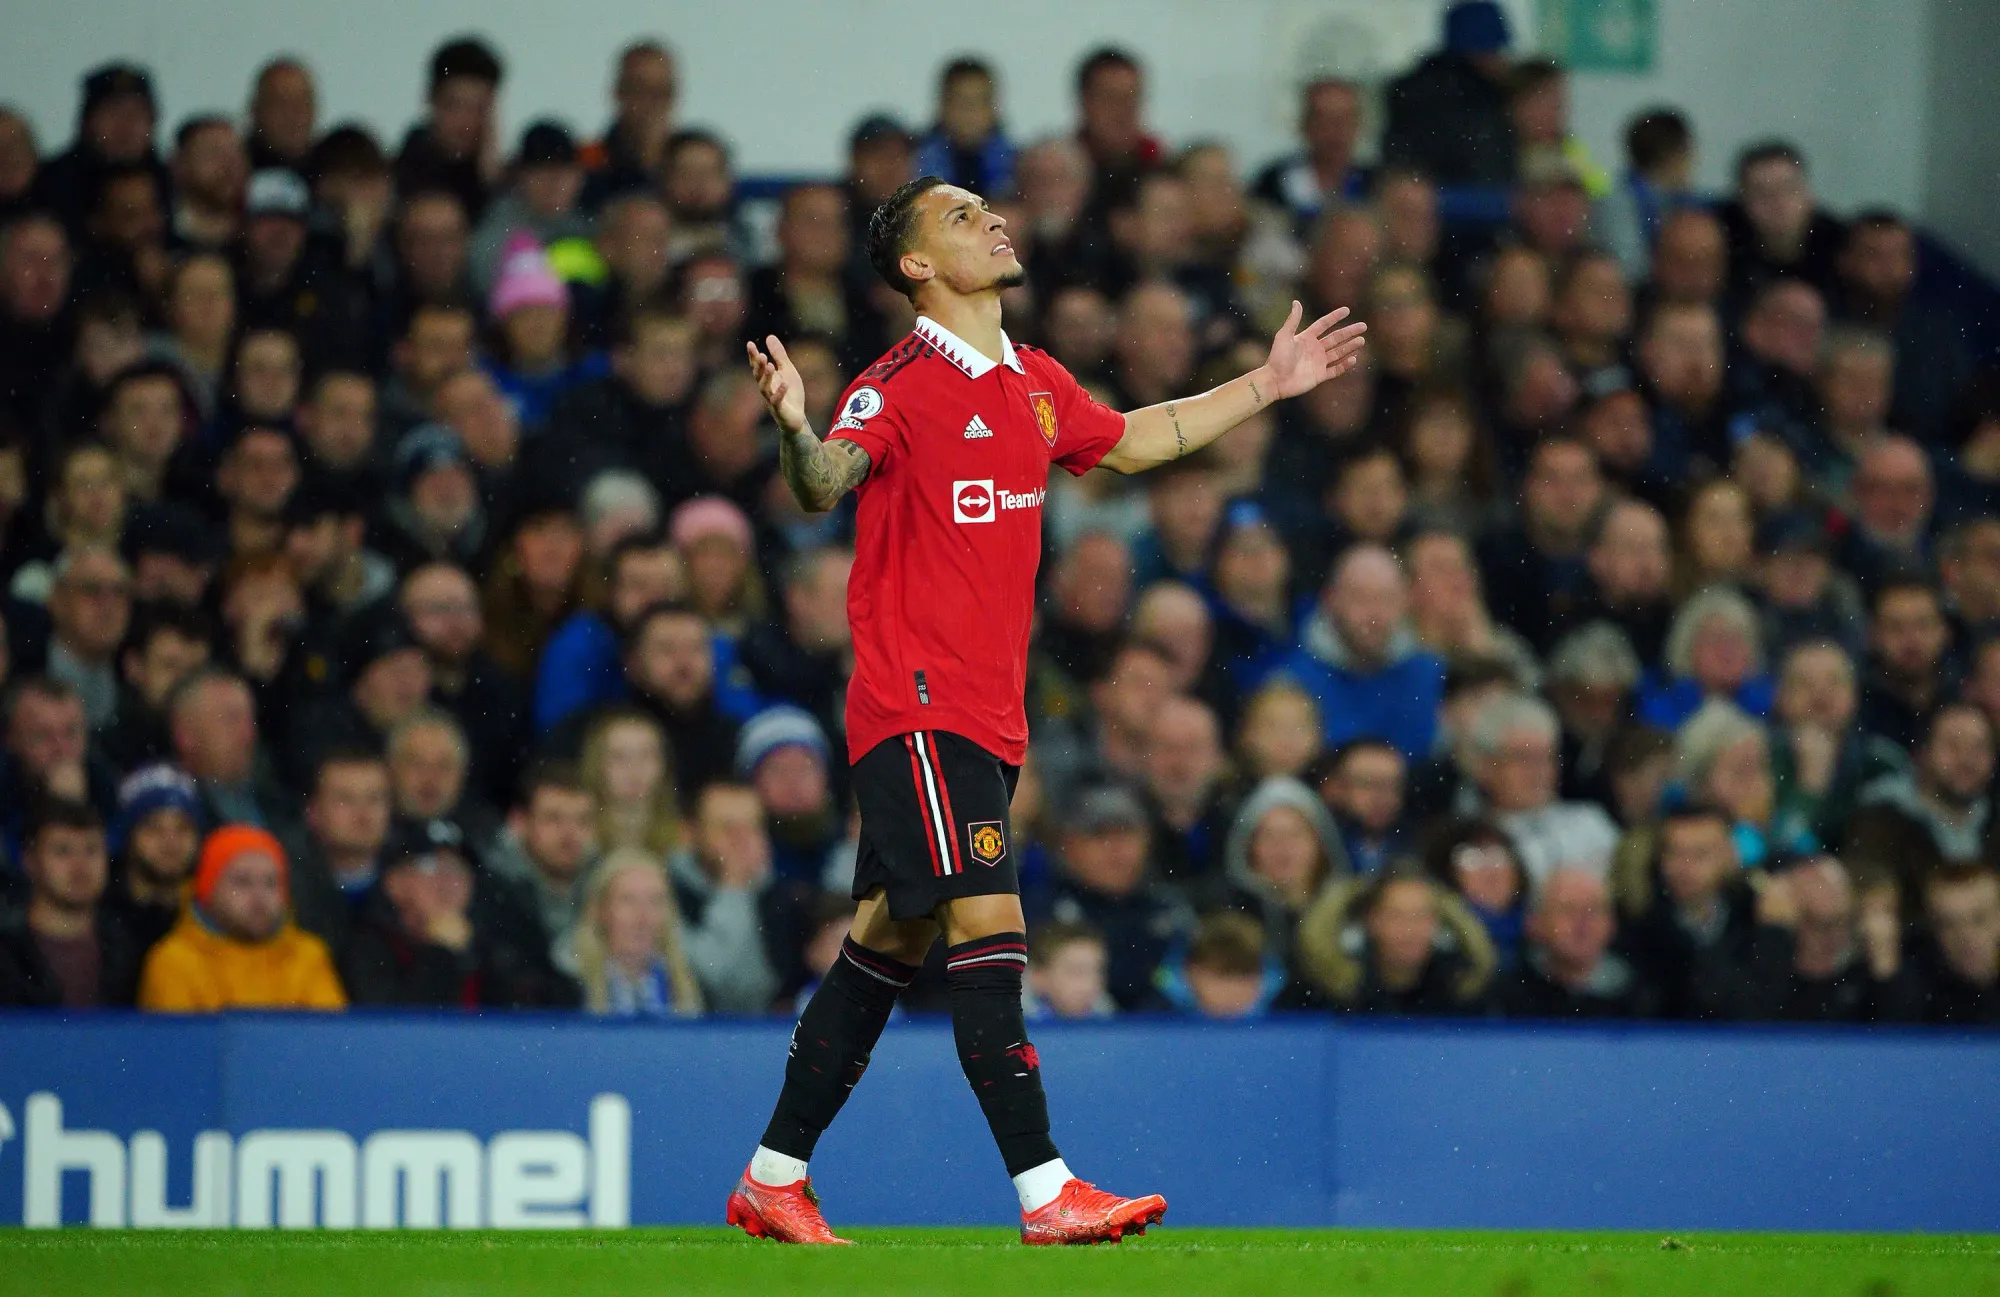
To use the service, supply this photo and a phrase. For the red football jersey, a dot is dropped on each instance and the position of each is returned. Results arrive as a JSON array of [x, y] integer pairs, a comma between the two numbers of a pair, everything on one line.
[[949, 531]]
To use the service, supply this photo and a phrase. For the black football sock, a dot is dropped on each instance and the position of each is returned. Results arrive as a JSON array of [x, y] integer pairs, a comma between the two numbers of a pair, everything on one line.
[[831, 1044], [984, 980]]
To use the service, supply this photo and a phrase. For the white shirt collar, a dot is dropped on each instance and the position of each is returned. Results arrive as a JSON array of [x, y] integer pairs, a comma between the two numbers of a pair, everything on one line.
[[962, 353]]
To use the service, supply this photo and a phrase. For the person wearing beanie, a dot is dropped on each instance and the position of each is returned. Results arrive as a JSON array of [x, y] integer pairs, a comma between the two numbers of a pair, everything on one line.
[[783, 753], [235, 946], [155, 840], [1449, 116], [434, 509], [530, 308], [115, 127]]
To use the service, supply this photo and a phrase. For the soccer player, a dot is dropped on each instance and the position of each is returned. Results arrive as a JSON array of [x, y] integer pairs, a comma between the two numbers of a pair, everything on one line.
[[948, 440]]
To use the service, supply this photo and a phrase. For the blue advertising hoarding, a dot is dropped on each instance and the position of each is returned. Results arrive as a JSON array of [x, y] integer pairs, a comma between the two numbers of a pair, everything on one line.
[[261, 1121]]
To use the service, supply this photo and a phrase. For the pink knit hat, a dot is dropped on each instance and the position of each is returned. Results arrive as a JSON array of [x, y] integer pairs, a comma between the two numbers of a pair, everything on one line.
[[525, 279], [706, 516]]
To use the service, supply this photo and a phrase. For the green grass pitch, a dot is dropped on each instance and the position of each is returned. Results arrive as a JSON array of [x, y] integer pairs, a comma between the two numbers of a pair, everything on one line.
[[972, 1262]]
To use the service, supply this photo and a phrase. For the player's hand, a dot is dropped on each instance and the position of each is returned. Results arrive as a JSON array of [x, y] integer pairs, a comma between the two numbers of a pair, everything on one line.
[[1302, 359], [779, 381]]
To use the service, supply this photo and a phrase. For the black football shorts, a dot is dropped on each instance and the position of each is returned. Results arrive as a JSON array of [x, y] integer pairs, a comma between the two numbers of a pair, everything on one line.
[[934, 822]]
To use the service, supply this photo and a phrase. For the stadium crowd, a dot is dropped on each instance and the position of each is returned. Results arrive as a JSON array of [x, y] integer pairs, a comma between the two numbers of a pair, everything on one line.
[[402, 606]]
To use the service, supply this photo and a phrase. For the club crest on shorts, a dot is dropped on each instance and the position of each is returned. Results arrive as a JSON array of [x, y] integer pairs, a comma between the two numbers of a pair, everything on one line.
[[988, 843], [1044, 406]]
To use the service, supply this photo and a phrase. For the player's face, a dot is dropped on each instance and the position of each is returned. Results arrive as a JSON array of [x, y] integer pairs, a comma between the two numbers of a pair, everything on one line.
[[962, 245]]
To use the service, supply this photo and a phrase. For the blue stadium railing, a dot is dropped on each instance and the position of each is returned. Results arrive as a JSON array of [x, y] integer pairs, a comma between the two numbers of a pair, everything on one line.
[[521, 1120]]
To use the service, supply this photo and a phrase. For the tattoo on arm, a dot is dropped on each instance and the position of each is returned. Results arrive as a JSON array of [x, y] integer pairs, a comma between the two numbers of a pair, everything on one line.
[[1256, 395], [818, 472], [1180, 442]]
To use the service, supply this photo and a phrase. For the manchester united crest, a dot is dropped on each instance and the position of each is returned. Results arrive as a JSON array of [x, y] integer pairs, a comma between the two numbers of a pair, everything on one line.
[[1044, 405], [989, 844]]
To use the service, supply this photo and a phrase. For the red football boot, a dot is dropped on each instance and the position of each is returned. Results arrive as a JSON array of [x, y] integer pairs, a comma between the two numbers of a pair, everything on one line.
[[788, 1213], [1083, 1213]]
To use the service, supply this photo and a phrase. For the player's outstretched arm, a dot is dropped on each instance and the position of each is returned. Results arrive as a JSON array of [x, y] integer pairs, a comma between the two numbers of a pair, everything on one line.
[[819, 472], [1300, 360]]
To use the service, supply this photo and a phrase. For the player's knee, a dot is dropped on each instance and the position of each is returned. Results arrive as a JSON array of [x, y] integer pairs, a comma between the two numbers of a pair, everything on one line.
[[969, 918]]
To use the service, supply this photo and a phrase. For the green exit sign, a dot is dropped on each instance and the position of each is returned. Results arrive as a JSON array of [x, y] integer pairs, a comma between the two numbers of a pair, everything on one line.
[[1599, 35]]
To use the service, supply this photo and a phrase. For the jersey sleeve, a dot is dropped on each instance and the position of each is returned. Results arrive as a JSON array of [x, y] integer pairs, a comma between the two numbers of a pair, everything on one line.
[[870, 418], [1086, 428]]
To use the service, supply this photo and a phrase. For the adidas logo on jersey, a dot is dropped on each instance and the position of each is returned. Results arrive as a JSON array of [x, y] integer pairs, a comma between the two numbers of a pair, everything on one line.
[[977, 428]]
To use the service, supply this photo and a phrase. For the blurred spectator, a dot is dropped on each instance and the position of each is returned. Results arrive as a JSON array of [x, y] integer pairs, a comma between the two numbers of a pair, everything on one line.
[[115, 129], [1593, 673], [35, 269], [723, 883], [1185, 793], [967, 143], [434, 932], [1397, 943], [235, 946], [1104, 878], [455, 148], [782, 753], [1448, 117], [1659, 176], [645, 91], [533, 362], [1804, 596], [1363, 786], [1475, 861], [627, 767], [1969, 572], [1688, 910], [1723, 757], [90, 608], [212, 721], [67, 948], [164, 644], [1111, 127], [630, 953], [441, 606], [541, 199], [19, 162], [1962, 984], [338, 857], [808, 289], [1819, 756], [1877, 274], [1448, 462], [283, 112], [1448, 610], [1066, 974], [1226, 971], [549, 845], [1909, 676], [579, 666], [1513, 745], [699, 186], [1894, 494], [155, 842], [210, 169], [1938, 814], [1089, 591], [1775, 224], [1570, 970], [1323, 173], [1283, 849], [1714, 650], [1535, 572], [1829, 964], [1631, 568], [1280, 731], [802, 654], [1680, 361], [1360, 660], [48, 753]]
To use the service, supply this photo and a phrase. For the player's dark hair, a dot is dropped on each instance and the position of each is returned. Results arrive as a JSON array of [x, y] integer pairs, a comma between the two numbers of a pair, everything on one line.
[[468, 57], [890, 228], [1102, 59], [1655, 137]]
